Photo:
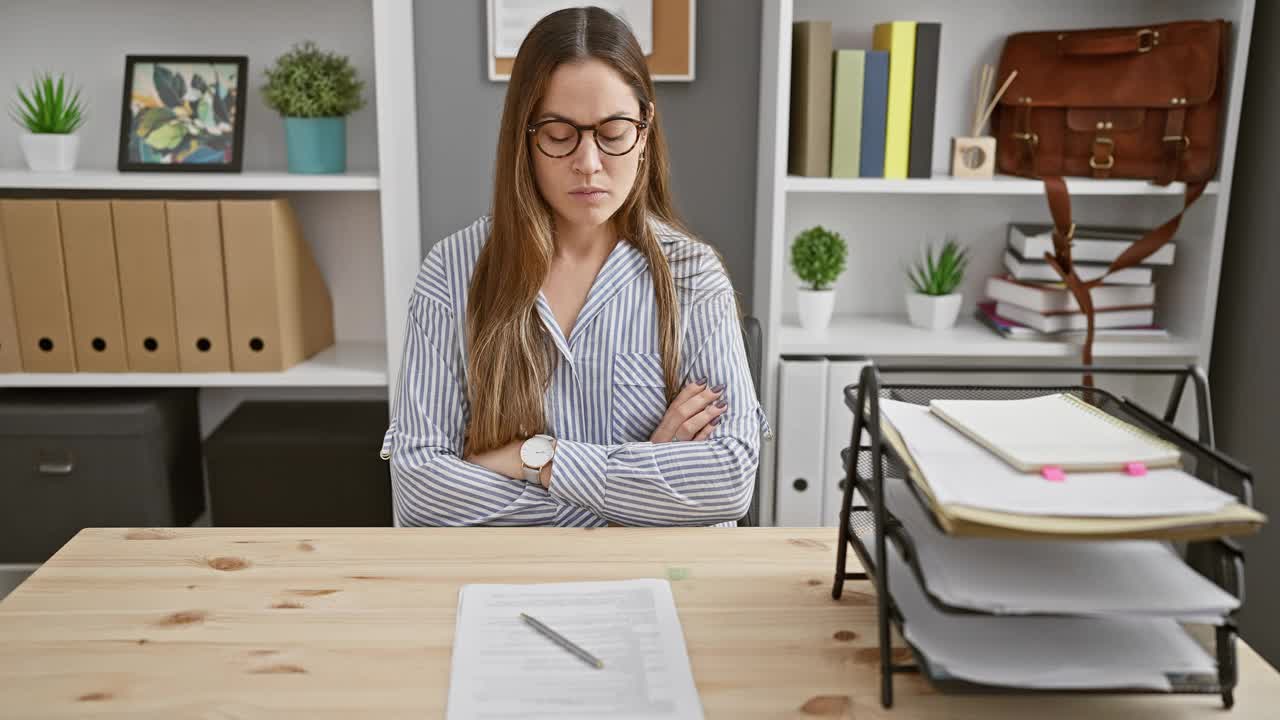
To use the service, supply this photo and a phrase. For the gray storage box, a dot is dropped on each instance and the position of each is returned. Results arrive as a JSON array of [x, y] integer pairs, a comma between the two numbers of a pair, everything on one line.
[[300, 463], [71, 459]]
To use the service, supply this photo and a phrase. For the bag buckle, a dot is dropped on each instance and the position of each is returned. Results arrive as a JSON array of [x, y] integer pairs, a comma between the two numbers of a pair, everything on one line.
[[1111, 156], [1147, 39], [1030, 137], [1186, 141]]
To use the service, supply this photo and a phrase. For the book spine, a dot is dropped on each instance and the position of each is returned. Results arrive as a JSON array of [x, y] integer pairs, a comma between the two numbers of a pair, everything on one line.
[[846, 113], [924, 91], [809, 152], [898, 39], [875, 98]]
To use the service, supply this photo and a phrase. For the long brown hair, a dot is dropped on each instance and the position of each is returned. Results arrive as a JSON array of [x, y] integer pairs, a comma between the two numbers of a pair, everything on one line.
[[510, 356]]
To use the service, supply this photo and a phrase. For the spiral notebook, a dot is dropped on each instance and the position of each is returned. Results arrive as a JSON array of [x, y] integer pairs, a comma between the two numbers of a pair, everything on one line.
[[1055, 431]]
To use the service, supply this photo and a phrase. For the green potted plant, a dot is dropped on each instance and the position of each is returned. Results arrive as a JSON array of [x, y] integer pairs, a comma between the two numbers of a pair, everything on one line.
[[933, 302], [50, 111], [314, 91], [818, 258]]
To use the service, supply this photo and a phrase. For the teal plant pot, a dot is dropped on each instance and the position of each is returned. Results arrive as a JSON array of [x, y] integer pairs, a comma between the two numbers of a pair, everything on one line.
[[316, 145]]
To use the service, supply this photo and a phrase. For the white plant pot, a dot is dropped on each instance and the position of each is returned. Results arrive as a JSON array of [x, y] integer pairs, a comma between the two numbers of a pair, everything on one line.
[[933, 312], [815, 308], [50, 152]]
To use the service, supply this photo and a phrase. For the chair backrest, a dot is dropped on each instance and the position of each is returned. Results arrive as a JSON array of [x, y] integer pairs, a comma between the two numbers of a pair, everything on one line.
[[753, 340]]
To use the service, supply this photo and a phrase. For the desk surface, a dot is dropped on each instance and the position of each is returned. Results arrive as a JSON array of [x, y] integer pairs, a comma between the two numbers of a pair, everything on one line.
[[329, 623]]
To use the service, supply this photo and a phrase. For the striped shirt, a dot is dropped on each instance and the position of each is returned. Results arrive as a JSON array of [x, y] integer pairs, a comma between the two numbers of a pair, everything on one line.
[[606, 397]]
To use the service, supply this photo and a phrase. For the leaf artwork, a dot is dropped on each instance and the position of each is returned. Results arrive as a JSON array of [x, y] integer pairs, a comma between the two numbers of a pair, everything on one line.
[[186, 116]]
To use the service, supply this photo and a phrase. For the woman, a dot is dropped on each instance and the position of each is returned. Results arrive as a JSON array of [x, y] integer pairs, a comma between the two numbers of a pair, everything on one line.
[[575, 359]]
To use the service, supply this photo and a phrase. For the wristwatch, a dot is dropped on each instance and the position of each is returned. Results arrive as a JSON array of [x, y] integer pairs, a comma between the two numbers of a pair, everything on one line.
[[535, 453]]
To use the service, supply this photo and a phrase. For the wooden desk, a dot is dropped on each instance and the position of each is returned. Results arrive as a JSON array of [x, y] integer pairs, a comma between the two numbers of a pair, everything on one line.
[[342, 623]]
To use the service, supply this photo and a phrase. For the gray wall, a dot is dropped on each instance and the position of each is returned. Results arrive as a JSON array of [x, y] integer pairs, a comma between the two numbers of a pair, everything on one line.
[[710, 125], [1246, 347]]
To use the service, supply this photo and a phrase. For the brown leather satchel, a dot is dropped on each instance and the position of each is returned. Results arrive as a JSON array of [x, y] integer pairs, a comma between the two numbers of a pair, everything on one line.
[[1140, 102]]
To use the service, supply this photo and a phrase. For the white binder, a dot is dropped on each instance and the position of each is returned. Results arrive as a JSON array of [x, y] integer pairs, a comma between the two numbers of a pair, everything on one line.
[[839, 428], [801, 433]]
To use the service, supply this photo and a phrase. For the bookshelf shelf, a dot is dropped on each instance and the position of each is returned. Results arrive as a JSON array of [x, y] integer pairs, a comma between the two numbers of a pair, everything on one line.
[[1000, 185], [346, 364], [893, 336], [253, 181]]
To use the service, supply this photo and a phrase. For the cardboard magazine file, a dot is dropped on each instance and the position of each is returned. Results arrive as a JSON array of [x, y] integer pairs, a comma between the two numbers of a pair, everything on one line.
[[38, 282], [93, 285], [10, 358], [199, 285], [146, 285], [278, 305]]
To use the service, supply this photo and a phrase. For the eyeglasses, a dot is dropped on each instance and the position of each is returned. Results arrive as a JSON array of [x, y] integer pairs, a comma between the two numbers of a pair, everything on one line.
[[560, 138]]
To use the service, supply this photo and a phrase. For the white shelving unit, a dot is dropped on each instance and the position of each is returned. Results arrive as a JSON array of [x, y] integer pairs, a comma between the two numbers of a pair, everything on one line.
[[363, 225], [887, 222]]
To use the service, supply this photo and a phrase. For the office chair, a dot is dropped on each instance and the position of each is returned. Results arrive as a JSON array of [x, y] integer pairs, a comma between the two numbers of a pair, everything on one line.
[[753, 340]]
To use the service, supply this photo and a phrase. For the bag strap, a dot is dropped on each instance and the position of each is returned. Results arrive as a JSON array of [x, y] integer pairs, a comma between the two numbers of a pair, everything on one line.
[[1138, 41], [1055, 189]]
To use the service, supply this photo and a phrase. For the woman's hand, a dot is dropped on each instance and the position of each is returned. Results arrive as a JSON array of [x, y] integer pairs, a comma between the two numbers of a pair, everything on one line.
[[693, 414]]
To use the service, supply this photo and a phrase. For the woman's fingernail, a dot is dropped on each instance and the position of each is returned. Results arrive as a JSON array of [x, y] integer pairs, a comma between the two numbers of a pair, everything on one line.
[[716, 420], [703, 381], [721, 403], [718, 388]]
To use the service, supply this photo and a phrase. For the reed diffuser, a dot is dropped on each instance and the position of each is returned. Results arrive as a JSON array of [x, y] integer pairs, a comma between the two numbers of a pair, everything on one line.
[[974, 156]]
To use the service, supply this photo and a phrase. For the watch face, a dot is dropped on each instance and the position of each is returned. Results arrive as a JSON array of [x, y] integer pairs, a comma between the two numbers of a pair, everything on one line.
[[536, 451]]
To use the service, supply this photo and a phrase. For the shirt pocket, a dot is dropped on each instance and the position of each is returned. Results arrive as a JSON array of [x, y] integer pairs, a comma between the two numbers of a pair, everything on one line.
[[639, 396]]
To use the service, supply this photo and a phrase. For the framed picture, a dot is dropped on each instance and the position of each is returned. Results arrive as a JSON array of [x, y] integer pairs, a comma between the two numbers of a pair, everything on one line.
[[183, 113]]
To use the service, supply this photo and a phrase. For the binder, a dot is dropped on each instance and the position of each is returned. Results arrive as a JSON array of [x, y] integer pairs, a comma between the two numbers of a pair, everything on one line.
[[146, 287], [924, 96], [10, 358], [809, 140], [840, 374], [899, 40], [846, 113], [39, 285], [199, 285], [278, 307], [802, 406], [93, 286], [875, 102]]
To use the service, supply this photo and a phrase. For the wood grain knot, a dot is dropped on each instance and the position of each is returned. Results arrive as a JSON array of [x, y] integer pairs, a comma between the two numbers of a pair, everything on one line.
[[845, 636], [288, 605], [807, 543], [312, 593], [280, 669], [828, 706], [183, 617], [814, 582], [150, 534], [191, 587], [306, 547], [261, 653], [95, 697], [143, 641], [368, 577], [228, 564]]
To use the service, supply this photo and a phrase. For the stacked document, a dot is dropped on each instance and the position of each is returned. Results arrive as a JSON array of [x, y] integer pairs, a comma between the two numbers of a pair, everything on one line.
[[973, 491], [504, 668], [1058, 653], [1066, 577]]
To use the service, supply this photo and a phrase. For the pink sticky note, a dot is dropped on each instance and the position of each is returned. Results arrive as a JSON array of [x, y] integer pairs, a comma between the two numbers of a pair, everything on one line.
[[1136, 469], [1053, 473]]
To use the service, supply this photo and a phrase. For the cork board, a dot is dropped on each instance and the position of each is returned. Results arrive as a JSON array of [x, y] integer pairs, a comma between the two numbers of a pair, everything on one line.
[[673, 43]]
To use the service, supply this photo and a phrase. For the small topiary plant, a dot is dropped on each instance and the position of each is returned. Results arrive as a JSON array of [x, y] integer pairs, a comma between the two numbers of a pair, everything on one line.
[[310, 83], [940, 272], [818, 257]]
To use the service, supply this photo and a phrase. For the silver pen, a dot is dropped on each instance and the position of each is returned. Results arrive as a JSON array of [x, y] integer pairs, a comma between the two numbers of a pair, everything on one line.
[[563, 642]]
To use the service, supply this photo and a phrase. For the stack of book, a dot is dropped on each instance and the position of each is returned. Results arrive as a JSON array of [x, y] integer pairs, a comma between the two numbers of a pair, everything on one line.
[[859, 112], [1029, 302]]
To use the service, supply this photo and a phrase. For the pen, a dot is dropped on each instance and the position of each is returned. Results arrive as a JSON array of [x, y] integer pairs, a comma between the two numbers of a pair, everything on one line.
[[563, 642]]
